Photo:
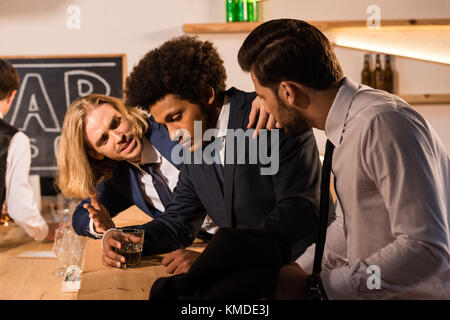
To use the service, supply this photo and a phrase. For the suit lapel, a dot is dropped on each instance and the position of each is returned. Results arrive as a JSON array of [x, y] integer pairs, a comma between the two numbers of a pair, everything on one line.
[[235, 121], [159, 137]]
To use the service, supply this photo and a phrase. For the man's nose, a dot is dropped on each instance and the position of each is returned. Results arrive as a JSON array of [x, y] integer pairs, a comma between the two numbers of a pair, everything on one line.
[[119, 137], [172, 131]]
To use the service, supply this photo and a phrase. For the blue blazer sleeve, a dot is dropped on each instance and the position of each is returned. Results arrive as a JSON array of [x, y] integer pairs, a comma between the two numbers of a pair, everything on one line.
[[180, 223], [113, 200]]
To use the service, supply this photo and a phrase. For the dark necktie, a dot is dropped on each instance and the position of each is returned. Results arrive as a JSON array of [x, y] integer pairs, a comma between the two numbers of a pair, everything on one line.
[[158, 182], [324, 204]]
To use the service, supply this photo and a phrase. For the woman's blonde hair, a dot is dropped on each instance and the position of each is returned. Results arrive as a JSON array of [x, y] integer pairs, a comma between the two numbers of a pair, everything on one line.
[[78, 173]]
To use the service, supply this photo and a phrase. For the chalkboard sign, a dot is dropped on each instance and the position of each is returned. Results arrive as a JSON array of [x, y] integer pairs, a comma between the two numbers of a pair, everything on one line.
[[47, 87]]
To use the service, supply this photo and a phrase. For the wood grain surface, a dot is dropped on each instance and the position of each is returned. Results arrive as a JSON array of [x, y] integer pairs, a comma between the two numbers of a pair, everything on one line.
[[35, 279]]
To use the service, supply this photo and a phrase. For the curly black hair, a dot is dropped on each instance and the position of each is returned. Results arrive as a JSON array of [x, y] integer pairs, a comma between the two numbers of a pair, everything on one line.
[[180, 66]]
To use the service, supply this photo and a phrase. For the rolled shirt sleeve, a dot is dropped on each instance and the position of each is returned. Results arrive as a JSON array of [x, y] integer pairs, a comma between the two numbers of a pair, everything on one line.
[[21, 204]]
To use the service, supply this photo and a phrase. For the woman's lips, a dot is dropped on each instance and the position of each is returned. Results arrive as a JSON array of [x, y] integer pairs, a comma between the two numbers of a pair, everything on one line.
[[130, 146]]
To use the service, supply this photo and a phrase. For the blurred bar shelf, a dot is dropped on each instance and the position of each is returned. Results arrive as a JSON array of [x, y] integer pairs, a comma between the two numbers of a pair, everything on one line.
[[226, 27], [244, 27], [419, 39]]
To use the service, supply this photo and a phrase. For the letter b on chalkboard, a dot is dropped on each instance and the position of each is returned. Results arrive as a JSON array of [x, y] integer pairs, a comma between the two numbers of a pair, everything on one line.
[[80, 83]]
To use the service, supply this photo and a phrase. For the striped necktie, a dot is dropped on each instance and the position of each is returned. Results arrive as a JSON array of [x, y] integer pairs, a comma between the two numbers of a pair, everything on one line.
[[161, 187]]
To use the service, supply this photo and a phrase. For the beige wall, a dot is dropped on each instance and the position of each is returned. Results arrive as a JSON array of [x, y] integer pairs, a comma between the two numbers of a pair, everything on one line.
[[135, 26]]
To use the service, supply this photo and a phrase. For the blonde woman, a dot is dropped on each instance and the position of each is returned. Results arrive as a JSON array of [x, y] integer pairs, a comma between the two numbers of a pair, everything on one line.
[[103, 154]]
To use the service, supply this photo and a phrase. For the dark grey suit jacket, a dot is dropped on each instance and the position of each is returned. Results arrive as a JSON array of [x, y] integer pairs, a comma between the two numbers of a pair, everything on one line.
[[286, 203]]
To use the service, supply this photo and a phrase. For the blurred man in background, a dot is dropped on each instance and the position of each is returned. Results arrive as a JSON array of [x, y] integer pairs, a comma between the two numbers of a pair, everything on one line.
[[15, 159]]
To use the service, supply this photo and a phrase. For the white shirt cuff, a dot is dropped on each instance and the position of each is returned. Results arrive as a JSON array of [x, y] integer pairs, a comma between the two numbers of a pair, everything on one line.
[[92, 230], [338, 284], [37, 233], [35, 227], [306, 260]]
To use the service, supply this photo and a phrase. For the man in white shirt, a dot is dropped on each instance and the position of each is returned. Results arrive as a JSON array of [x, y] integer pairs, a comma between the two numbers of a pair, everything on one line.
[[15, 161], [391, 237]]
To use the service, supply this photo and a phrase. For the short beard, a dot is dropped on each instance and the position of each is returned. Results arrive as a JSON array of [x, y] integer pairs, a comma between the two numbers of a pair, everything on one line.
[[290, 119]]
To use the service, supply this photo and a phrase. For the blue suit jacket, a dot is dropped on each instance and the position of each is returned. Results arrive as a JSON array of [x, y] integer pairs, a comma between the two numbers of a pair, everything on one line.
[[122, 190], [286, 203]]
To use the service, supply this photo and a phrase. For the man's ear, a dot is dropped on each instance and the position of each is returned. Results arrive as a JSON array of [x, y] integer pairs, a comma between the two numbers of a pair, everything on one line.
[[293, 94], [10, 98], [95, 155], [208, 94]]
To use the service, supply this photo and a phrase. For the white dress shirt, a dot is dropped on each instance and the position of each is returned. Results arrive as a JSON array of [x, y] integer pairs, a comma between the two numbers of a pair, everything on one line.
[[21, 204], [221, 134], [168, 172], [222, 126], [392, 179]]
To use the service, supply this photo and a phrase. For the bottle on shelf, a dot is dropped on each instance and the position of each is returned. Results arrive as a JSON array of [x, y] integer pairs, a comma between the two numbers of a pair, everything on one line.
[[388, 75], [252, 10], [378, 81], [232, 11], [242, 10], [366, 73]]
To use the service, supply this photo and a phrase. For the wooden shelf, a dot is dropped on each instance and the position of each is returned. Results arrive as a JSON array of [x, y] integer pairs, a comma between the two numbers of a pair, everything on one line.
[[420, 39], [244, 27], [230, 27]]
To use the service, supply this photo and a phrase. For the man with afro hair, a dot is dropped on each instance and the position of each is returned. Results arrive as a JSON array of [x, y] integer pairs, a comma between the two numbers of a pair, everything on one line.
[[182, 84]]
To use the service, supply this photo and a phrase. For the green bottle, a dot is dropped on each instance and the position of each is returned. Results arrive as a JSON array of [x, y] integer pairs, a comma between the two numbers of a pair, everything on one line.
[[232, 11], [242, 10], [252, 9]]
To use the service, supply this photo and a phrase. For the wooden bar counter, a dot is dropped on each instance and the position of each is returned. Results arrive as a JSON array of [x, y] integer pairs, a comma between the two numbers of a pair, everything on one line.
[[27, 278], [35, 279]]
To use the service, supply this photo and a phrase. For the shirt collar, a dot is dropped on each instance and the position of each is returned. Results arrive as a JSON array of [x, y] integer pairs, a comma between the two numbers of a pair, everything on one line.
[[149, 154], [1, 115], [222, 122], [334, 124]]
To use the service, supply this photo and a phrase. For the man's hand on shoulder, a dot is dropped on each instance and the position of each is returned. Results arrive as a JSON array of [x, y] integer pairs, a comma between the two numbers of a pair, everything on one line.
[[261, 118]]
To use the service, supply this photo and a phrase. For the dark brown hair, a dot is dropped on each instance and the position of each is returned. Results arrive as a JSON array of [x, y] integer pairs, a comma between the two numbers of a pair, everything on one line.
[[9, 79], [180, 66], [290, 50]]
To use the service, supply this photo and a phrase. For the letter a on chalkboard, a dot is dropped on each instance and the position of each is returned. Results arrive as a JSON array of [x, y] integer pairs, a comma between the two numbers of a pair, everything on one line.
[[33, 103]]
